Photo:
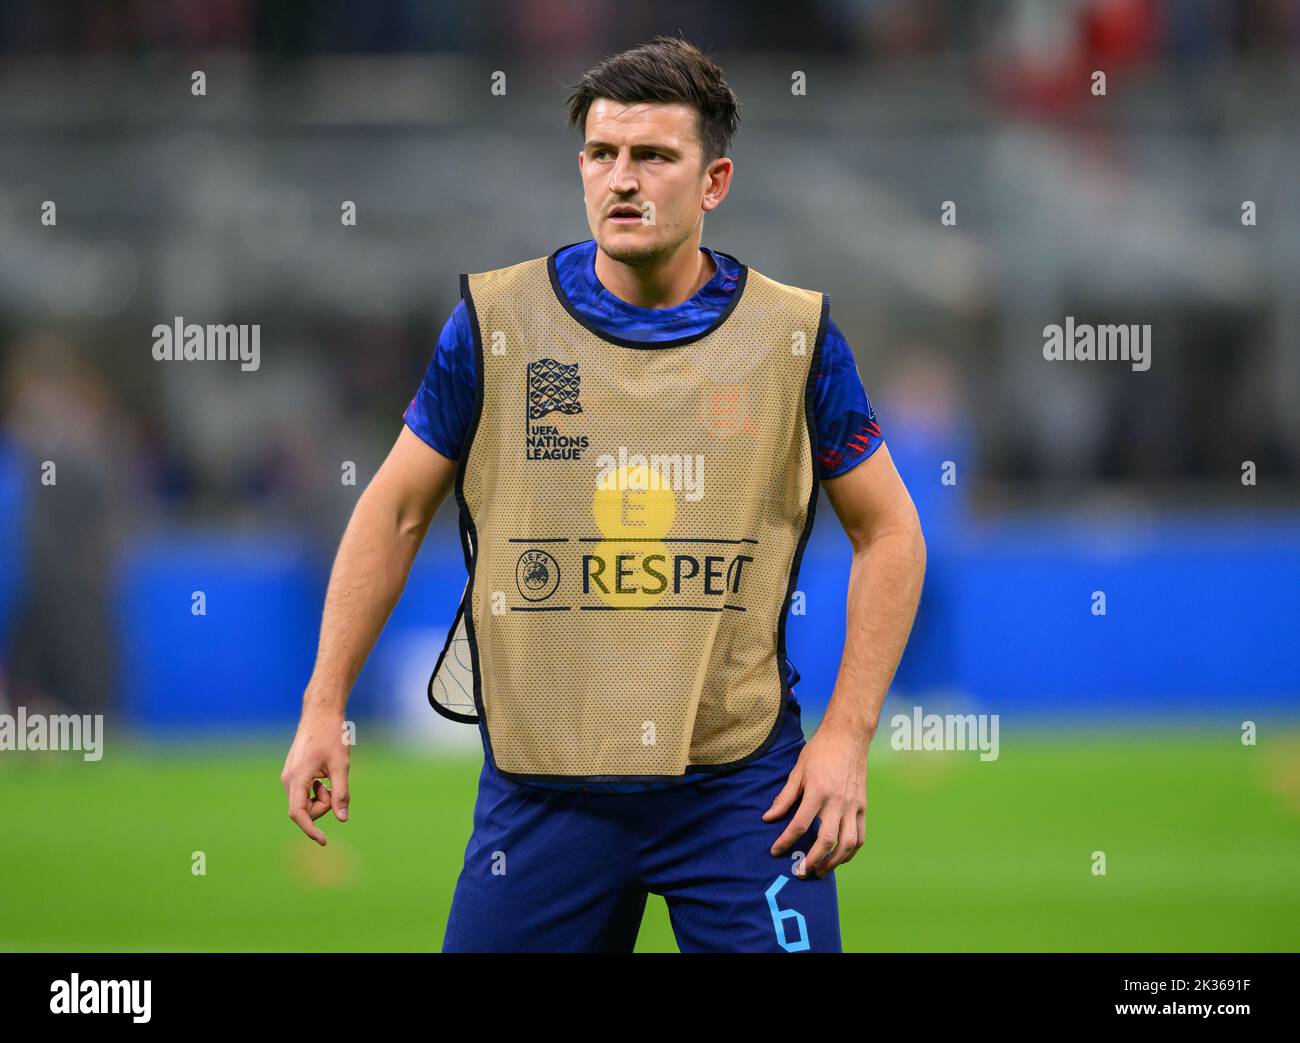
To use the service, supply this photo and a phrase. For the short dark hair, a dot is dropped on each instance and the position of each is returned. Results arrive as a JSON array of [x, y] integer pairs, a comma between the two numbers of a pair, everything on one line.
[[667, 69]]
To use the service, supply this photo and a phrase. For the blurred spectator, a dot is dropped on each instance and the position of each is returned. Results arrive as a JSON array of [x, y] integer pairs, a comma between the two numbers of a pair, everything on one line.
[[73, 442]]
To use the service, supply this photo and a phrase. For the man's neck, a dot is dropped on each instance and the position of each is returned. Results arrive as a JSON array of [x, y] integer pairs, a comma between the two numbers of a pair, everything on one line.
[[678, 278]]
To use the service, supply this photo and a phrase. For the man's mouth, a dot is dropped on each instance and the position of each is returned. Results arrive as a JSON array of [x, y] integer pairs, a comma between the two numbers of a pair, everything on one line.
[[626, 214]]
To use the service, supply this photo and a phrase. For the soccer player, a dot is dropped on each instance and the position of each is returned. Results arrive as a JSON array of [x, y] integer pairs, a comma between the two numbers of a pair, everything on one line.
[[636, 428]]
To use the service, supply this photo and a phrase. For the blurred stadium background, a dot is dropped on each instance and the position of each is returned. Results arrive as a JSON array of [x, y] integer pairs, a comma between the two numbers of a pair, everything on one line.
[[1119, 733]]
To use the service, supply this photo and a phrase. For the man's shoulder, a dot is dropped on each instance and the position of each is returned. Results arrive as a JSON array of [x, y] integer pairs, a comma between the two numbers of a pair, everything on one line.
[[509, 270], [528, 267], [511, 283], [797, 296]]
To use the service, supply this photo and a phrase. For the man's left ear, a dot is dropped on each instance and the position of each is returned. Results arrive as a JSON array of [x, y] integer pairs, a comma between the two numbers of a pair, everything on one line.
[[720, 171]]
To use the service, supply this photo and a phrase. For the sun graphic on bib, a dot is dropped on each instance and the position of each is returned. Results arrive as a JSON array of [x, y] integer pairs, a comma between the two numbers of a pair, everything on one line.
[[634, 510]]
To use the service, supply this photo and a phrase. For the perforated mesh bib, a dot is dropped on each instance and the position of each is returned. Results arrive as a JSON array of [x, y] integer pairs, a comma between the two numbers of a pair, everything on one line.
[[632, 520]]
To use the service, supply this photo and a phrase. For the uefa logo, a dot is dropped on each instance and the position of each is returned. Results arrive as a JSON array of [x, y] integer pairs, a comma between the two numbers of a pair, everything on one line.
[[537, 574]]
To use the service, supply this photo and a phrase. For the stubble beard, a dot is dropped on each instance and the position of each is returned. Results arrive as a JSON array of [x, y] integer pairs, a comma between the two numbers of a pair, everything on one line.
[[639, 256]]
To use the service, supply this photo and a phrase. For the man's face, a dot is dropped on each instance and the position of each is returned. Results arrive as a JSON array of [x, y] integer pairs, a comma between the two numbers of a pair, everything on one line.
[[645, 187]]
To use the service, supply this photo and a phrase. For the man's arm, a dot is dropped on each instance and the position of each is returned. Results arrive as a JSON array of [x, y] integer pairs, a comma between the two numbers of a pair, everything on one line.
[[885, 578], [370, 569]]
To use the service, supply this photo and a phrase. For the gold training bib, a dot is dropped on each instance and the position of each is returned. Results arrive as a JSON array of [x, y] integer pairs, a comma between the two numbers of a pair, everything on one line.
[[632, 518]]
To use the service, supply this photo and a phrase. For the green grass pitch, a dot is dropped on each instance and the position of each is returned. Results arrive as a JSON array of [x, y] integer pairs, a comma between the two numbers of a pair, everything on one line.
[[1201, 837]]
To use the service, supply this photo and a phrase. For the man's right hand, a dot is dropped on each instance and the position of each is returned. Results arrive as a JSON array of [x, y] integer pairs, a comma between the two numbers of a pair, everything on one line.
[[318, 753], [373, 560]]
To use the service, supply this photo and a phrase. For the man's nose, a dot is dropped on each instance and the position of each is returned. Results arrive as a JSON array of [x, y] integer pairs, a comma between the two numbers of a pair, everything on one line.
[[622, 180]]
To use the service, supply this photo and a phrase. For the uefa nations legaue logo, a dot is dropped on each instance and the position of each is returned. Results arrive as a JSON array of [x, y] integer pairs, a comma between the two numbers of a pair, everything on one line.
[[553, 387]]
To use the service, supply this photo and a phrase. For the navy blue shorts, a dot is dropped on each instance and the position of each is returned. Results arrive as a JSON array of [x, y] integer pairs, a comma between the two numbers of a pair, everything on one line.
[[556, 871]]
